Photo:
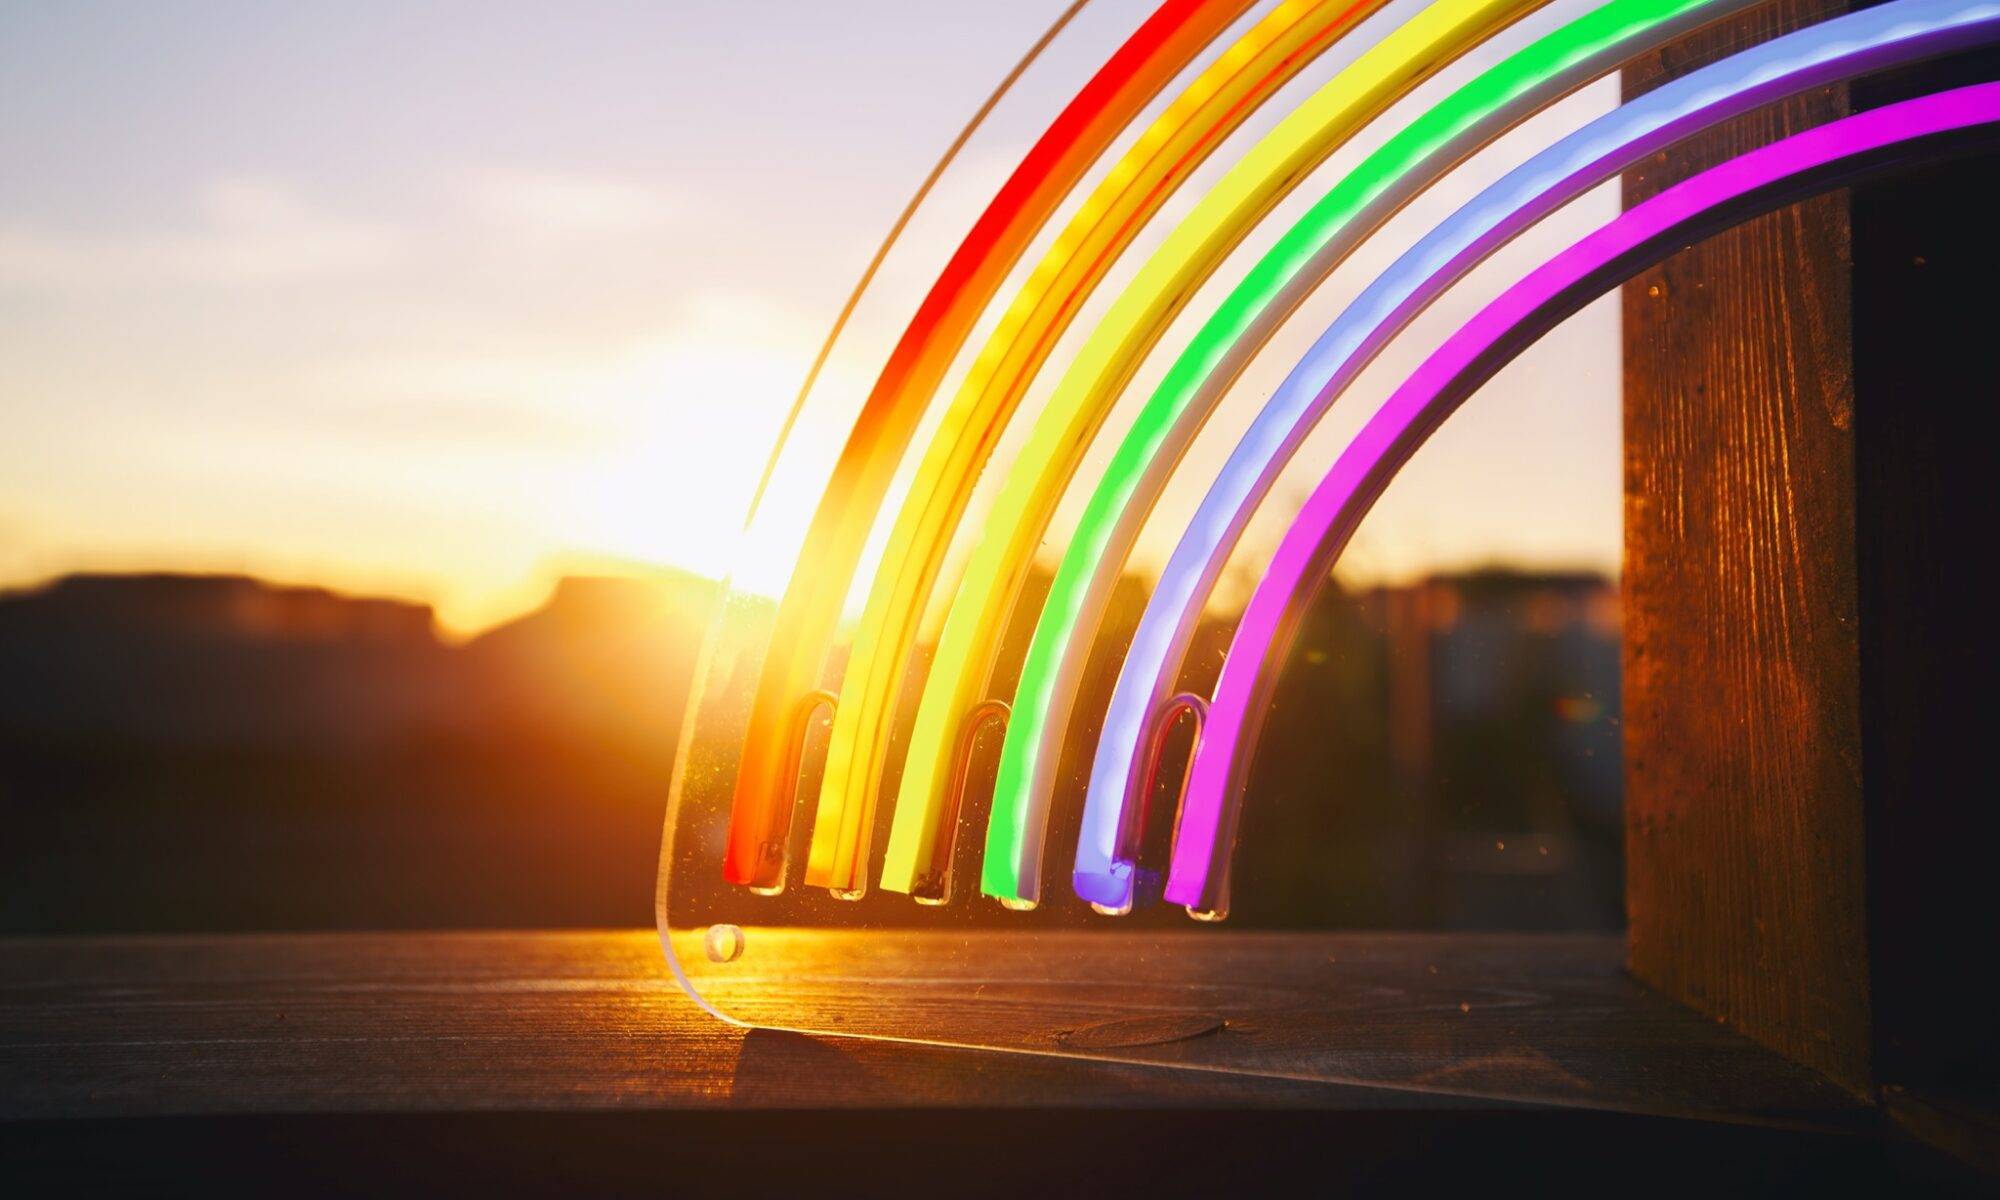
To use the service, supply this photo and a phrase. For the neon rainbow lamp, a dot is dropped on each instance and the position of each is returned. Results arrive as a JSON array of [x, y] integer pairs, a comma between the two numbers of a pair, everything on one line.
[[715, 816], [1891, 34], [1804, 164]]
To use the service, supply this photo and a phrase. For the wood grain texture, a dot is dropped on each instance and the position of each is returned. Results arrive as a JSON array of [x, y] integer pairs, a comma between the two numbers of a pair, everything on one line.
[[465, 1022], [1744, 808]]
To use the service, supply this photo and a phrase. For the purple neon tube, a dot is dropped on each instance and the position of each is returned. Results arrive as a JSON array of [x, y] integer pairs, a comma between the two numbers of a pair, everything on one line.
[[1803, 164]]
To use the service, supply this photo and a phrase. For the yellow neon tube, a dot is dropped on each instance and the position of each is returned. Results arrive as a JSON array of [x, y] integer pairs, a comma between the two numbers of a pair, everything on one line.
[[1248, 73], [959, 673]]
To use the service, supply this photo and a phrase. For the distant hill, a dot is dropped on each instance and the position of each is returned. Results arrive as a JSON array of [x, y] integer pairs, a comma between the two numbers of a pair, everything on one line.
[[226, 661]]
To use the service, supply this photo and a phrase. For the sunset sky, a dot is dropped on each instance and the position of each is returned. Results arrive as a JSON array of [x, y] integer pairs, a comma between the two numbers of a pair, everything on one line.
[[446, 300]]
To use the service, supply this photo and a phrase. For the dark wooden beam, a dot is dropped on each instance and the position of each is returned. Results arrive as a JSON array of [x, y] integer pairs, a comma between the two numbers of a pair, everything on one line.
[[1926, 252], [1804, 658]]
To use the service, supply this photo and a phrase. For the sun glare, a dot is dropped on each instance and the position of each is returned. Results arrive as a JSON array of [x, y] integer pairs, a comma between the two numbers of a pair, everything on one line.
[[698, 417]]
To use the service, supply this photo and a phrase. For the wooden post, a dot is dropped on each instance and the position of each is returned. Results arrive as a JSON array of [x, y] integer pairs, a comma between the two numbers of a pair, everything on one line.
[[1791, 784]]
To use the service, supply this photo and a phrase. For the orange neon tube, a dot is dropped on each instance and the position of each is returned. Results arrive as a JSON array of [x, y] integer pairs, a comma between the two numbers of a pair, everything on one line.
[[760, 811], [1267, 56]]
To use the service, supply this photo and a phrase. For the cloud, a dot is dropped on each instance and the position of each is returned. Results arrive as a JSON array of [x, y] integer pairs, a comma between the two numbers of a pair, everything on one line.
[[546, 204], [250, 232]]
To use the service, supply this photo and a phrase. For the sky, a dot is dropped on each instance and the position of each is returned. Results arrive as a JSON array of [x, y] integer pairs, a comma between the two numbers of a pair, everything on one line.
[[444, 301]]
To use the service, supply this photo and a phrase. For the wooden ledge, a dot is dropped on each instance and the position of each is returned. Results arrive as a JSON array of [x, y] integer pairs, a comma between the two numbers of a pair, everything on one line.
[[359, 1023]]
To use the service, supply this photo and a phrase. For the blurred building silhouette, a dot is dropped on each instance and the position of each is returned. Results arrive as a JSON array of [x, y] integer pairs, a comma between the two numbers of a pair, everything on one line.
[[1472, 777], [187, 753], [219, 753]]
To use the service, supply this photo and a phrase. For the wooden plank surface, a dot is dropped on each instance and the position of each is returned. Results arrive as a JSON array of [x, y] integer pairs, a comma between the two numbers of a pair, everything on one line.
[[460, 1022], [1744, 813]]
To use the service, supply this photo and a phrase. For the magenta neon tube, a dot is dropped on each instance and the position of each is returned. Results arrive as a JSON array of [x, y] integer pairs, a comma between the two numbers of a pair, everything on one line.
[[1735, 191]]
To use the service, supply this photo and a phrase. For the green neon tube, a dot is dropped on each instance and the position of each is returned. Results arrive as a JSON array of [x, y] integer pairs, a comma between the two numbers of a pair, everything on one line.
[[1360, 203]]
